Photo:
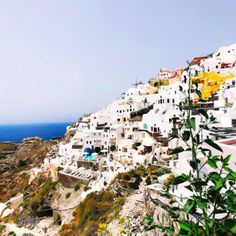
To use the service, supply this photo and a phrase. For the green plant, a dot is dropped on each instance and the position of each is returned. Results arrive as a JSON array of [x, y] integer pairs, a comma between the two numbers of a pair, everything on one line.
[[148, 180], [95, 209], [141, 112], [77, 186], [211, 209], [113, 148], [135, 183], [39, 198], [22, 163], [86, 188], [24, 175], [169, 180], [12, 233], [2, 229]]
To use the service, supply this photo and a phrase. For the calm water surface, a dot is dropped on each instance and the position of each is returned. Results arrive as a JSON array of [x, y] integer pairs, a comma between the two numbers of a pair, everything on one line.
[[17, 132]]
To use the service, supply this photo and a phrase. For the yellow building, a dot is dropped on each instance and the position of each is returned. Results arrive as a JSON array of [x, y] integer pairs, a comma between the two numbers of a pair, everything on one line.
[[210, 82]]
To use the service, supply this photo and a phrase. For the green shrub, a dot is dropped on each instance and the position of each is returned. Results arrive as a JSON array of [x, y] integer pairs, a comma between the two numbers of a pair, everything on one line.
[[209, 208], [39, 198], [77, 186], [135, 184], [96, 208], [86, 188], [12, 233], [113, 148], [141, 112], [57, 219], [68, 195], [148, 180], [127, 177], [22, 164], [169, 180], [162, 171], [24, 175], [2, 229]]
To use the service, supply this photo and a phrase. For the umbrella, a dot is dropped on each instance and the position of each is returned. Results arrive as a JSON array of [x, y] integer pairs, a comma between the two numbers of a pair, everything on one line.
[[104, 150], [89, 150]]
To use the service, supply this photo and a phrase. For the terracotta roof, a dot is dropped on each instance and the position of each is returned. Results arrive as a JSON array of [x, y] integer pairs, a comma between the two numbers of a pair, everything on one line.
[[197, 60]]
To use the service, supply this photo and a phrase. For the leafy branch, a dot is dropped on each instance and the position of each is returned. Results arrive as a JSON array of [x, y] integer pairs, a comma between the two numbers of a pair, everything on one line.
[[211, 207]]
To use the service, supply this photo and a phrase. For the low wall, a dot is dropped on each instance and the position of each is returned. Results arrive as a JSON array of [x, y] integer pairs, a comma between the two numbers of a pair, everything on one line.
[[88, 165], [69, 181]]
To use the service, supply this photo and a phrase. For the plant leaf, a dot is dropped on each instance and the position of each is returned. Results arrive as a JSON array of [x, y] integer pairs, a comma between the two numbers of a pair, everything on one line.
[[230, 225], [199, 93], [212, 163], [186, 135], [189, 205], [213, 144], [192, 123], [202, 203], [180, 179], [176, 150], [149, 219], [226, 160], [203, 112], [185, 226], [218, 184]]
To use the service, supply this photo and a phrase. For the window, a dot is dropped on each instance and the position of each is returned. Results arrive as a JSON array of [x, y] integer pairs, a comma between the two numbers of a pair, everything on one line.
[[168, 100]]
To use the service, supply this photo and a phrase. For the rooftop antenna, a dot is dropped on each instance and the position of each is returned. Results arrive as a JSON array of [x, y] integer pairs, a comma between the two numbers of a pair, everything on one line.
[[136, 83]]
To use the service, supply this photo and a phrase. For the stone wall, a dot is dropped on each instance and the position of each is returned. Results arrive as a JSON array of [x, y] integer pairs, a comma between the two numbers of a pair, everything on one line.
[[160, 215], [88, 165], [70, 181]]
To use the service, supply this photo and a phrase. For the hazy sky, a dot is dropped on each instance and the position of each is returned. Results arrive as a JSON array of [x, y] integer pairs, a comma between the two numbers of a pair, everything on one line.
[[62, 58]]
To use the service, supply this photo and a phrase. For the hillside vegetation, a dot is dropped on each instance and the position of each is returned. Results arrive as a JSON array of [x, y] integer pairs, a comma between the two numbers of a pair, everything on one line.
[[104, 206]]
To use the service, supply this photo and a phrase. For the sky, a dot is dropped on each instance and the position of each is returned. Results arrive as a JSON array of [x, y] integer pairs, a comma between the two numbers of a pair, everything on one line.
[[60, 59]]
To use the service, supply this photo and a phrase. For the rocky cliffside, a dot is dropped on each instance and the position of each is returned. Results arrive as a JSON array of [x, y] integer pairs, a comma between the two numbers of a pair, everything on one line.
[[16, 160]]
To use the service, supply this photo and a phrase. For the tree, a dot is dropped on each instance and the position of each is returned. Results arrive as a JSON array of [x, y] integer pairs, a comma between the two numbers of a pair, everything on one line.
[[211, 210]]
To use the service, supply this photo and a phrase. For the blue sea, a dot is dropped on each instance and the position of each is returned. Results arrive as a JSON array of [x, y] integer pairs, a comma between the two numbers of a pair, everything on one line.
[[16, 132]]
